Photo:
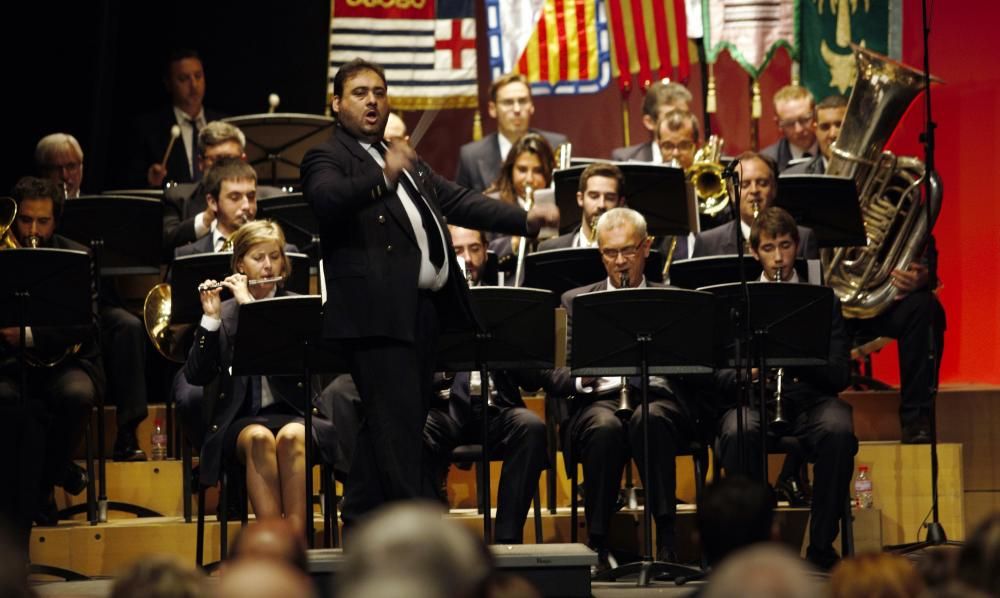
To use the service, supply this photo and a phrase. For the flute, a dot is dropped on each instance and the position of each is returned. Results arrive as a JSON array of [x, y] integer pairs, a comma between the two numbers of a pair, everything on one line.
[[250, 283]]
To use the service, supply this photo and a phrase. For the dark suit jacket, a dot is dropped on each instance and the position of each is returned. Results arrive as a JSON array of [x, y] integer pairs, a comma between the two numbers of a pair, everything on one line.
[[465, 409], [640, 152], [721, 240], [779, 152], [181, 205], [814, 166], [560, 242], [370, 255], [479, 162], [229, 397], [150, 137]]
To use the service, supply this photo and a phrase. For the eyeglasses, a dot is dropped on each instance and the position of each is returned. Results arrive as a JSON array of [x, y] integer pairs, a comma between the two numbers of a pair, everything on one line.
[[508, 103], [68, 167], [684, 146], [804, 121], [611, 254]]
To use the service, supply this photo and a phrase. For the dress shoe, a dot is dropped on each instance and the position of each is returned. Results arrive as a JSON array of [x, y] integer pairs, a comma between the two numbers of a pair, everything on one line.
[[605, 563], [127, 447], [74, 479], [790, 489], [917, 431]]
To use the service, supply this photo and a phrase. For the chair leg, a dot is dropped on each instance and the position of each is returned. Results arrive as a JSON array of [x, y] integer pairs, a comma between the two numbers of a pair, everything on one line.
[[847, 530], [187, 467], [574, 489], [222, 514], [92, 507], [538, 517], [199, 554]]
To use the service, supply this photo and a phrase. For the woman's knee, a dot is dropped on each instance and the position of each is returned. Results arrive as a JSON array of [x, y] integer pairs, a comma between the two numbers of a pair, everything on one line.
[[291, 437], [256, 437]]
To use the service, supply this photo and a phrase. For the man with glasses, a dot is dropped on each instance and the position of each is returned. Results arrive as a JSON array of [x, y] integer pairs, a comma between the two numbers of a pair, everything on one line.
[[661, 98], [830, 114], [677, 137], [59, 158], [602, 440], [510, 104], [795, 115]]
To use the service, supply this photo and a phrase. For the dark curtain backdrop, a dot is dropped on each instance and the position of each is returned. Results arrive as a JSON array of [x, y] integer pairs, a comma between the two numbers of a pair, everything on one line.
[[87, 68]]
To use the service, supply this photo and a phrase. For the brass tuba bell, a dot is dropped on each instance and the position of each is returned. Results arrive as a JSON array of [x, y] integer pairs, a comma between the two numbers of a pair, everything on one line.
[[169, 339], [8, 213]]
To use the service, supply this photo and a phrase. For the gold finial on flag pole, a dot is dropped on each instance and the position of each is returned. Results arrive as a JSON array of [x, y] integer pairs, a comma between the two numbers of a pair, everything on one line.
[[625, 124], [477, 126], [710, 102]]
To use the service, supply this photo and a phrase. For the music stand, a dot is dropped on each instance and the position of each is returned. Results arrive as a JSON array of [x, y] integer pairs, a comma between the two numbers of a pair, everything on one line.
[[124, 232], [827, 204], [276, 143], [559, 270], [296, 218], [652, 331], [698, 272], [790, 324], [151, 193], [281, 336], [511, 319]]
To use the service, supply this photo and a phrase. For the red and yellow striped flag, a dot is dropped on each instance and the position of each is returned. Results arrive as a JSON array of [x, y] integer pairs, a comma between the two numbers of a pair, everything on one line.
[[562, 47], [649, 39]]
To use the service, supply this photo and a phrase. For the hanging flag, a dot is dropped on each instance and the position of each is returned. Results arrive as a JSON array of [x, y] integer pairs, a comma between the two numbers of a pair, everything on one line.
[[561, 46], [750, 30], [649, 41], [427, 48], [828, 29]]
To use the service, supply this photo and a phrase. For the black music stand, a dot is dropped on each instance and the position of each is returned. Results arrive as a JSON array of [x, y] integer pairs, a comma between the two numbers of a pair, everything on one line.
[[281, 336], [827, 204], [698, 272], [509, 339], [790, 324], [296, 218], [50, 288], [276, 143], [125, 233], [559, 270], [652, 331]]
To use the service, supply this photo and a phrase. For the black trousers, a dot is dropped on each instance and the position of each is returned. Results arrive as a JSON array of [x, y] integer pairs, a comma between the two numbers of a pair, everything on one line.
[[602, 443], [191, 416], [518, 436], [393, 379], [825, 430], [123, 345], [908, 320]]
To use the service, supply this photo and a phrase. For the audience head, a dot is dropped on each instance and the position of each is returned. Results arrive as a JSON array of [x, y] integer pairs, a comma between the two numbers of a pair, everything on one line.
[[13, 565], [218, 140], [624, 245], [184, 79], [758, 184], [774, 242], [361, 99], [510, 104], [39, 208], [264, 578], [59, 157], [877, 575], [830, 114], [274, 539], [160, 576], [395, 129], [470, 245], [663, 97], [530, 162], [979, 561], [795, 115], [414, 543], [231, 194], [733, 513], [763, 571], [677, 136]]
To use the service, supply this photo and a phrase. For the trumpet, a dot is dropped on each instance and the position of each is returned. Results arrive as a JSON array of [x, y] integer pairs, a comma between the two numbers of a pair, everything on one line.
[[625, 408], [250, 283], [705, 175]]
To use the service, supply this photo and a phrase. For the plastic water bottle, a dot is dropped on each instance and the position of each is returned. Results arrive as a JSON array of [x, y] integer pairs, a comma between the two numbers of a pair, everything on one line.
[[159, 441], [863, 488]]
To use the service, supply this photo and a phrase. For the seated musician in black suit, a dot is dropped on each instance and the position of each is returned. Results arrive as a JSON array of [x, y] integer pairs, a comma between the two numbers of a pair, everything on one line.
[[660, 99], [594, 434], [256, 419], [601, 188], [64, 376], [822, 422]]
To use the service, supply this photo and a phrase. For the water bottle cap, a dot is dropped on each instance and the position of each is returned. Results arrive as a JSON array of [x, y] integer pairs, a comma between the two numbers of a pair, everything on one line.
[[863, 468], [157, 422]]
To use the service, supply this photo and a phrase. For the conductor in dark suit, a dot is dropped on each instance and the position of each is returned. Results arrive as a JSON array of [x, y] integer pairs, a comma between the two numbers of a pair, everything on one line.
[[391, 276], [601, 187], [660, 99], [184, 79], [594, 435], [822, 422], [758, 186], [510, 103]]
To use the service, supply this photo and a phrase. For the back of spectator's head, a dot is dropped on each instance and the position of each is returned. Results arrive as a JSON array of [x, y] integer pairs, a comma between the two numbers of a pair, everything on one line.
[[160, 576], [763, 571], [413, 542], [264, 578], [13, 566], [979, 561], [878, 575], [273, 539], [734, 512]]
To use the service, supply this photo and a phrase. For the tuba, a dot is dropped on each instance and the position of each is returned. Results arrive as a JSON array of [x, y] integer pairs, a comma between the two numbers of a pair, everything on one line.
[[889, 187], [705, 175], [171, 340]]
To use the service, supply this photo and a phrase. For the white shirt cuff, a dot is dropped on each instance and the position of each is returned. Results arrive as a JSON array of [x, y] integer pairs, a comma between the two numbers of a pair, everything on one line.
[[210, 324]]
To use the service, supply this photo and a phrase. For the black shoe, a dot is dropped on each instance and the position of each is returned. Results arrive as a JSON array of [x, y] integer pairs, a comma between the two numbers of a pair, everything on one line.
[[790, 489], [917, 431], [127, 446], [605, 563], [74, 479]]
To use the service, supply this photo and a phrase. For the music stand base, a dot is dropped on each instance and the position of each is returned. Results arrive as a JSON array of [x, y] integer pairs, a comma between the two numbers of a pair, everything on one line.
[[935, 537], [647, 571]]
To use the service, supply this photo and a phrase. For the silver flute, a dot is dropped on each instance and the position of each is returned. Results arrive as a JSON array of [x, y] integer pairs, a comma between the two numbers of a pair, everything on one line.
[[250, 283]]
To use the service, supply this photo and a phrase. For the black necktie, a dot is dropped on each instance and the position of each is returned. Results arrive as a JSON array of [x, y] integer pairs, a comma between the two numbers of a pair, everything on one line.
[[427, 218], [807, 154], [195, 171]]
